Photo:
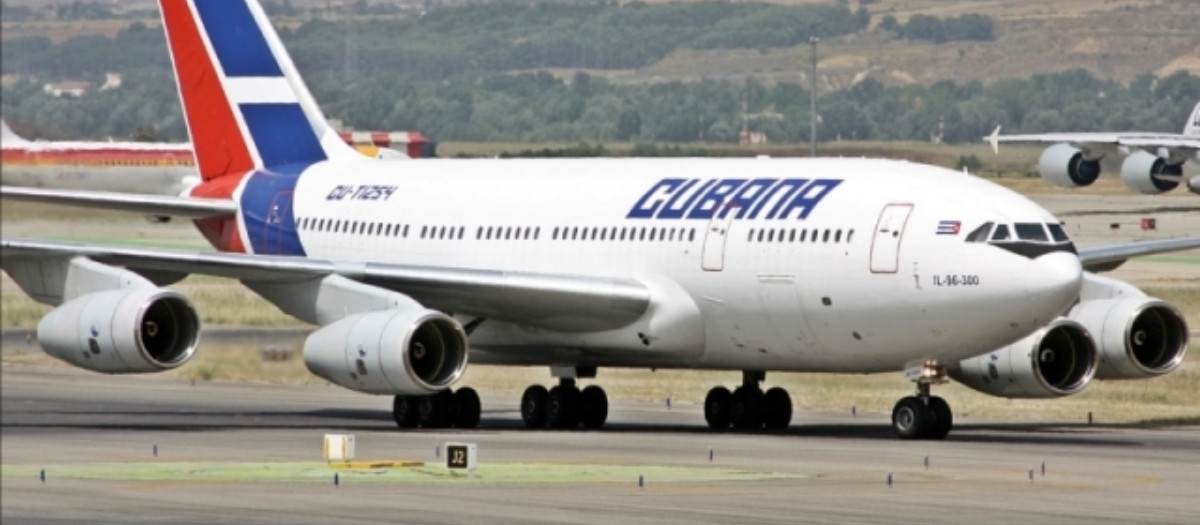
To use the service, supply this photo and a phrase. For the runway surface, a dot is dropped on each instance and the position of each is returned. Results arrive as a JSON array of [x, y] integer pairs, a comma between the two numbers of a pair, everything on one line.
[[828, 468]]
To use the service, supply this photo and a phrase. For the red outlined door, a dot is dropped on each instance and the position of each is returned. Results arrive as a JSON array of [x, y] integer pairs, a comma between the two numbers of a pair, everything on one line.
[[713, 257], [889, 232]]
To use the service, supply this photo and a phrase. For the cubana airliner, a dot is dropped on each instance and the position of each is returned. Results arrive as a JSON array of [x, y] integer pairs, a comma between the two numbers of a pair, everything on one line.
[[412, 269]]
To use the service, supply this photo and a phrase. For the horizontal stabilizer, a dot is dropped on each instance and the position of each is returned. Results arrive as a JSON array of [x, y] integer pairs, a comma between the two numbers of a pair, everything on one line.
[[156, 205]]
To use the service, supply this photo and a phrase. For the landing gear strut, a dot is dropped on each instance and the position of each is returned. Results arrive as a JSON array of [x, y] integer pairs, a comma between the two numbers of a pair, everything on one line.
[[444, 409], [923, 416], [748, 407], [565, 405]]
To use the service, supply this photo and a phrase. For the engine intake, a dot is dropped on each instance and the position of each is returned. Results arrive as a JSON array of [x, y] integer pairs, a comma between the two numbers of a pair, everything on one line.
[[1058, 360], [123, 331], [1140, 173], [1138, 336], [1066, 166], [406, 351]]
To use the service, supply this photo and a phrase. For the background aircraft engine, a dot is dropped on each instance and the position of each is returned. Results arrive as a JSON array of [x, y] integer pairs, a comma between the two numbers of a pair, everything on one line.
[[123, 331], [1057, 360], [1064, 165], [1138, 337], [1139, 170], [407, 351]]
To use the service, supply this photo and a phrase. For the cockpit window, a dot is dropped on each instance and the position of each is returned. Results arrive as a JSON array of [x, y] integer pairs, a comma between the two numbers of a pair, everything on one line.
[[981, 233], [1001, 233], [1057, 233], [1031, 231]]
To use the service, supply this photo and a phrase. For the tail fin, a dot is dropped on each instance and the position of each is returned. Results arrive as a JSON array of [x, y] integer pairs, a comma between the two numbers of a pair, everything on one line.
[[1192, 127], [245, 104], [7, 136]]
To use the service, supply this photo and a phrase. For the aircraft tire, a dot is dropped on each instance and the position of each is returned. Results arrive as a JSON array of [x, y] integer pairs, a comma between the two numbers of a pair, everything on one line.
[[747, 408], [718, 408], [406, 410], [467, 408], [910, 418], [777, 409], [941, 418], [437, 410], [562, 407], [593, 407], [533, 406]]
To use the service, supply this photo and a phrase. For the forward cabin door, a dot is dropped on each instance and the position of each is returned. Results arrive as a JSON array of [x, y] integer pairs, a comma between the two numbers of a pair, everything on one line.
[[885, 242], [713, 257]]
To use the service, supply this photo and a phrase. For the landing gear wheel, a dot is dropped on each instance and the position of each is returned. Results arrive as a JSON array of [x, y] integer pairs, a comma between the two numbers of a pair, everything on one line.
[[405, 410], [718, 408], [777, 409], [437, 410], [533, 406], [747, 408], [562, 407], [466, 408], [593, 407], [941, 418], [910, 418]]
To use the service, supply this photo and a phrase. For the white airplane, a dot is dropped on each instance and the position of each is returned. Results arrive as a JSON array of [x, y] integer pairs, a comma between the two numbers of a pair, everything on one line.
[[1153, 161], [413, 268]]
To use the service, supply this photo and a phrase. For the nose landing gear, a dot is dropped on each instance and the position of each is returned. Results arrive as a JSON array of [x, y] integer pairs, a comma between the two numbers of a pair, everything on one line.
[[923, 416]]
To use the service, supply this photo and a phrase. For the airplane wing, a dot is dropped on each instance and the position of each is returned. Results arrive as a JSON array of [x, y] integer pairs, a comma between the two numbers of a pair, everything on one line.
[[552, 301], [156, 205], [1106, 258], [1102, 140]]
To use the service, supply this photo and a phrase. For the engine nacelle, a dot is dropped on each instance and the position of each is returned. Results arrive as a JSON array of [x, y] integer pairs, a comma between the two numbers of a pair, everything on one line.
[[1058, 360], [406, 351], [1065, 165], [123, 331], [1140, 169], [1138, 336]]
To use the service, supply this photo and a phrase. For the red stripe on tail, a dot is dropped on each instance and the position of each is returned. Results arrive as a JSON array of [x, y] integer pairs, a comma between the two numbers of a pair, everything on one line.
[[216, 137]]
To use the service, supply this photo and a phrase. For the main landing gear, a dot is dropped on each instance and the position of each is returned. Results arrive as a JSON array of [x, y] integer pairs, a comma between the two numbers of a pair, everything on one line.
[[458, 408], [748, 407], [565, 406], [923, 416]]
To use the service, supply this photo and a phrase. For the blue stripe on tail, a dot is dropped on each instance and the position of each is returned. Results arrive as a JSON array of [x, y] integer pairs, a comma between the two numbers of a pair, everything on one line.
[[282, 134], [237, 40]]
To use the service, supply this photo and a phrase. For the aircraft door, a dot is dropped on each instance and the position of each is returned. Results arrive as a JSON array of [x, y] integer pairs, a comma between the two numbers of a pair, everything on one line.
[[277, 225], [885, 242], [712, 259]]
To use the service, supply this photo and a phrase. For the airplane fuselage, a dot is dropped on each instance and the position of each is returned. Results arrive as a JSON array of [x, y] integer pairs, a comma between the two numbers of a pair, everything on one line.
[[773, 264]]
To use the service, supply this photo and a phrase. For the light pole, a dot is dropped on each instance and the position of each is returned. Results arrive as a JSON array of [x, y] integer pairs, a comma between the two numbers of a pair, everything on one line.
[[812, 95]]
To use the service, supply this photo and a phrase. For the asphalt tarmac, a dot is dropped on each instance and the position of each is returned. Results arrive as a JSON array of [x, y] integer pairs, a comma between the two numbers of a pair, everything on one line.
[[827, 468]]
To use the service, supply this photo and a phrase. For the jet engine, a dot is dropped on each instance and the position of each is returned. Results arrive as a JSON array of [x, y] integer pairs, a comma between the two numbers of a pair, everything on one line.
[[1058, 360], [403, 351], [1138, 336], [1140, 173], [123, 331], [1065, 165]]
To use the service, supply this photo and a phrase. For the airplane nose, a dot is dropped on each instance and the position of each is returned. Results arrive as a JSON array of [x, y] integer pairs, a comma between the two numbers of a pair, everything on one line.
[[1053, 280]]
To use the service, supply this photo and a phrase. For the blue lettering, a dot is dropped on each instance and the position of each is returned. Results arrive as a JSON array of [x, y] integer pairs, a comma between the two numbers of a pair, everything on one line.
[[808, 199], [714, 198], [780, 195], [677, 208], [649, 204], [745, 197]]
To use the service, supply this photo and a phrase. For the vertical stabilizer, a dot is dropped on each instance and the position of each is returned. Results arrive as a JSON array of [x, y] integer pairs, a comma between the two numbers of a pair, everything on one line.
[[245, 104], [1192, 127], [7, 136]]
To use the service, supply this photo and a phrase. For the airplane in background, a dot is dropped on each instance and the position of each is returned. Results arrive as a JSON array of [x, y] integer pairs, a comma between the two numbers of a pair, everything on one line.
[[413, 269], [1153, 161], [147, 167]]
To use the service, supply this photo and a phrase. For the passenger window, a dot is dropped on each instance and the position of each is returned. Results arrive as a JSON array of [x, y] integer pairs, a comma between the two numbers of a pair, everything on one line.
[[1031, 231], [825, 238], [761, 233], [981, 233], [1001, 233], [750, 237], [692, 234], [837, 237], [849, 236], [405, 231], [1057, 233], [792, 235]]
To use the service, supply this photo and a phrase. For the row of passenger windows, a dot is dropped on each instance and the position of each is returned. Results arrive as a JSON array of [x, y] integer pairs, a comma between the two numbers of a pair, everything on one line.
[[497, 233], [155, 162], [799, 235]]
